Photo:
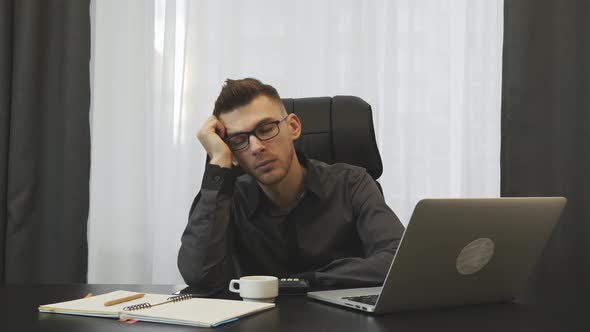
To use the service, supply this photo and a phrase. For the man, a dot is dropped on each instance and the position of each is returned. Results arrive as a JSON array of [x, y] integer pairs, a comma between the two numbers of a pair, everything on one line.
[[287, 216]]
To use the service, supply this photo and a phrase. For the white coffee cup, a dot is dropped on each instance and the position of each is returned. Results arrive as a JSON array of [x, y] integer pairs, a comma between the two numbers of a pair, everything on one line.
[[256, 288]]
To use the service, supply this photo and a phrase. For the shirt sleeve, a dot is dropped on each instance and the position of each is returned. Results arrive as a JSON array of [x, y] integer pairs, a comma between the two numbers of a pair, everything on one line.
[[205, 255], [380, 232]]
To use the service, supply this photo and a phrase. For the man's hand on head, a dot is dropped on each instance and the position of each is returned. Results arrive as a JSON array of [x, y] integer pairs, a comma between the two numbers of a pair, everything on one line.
[[211, 136]]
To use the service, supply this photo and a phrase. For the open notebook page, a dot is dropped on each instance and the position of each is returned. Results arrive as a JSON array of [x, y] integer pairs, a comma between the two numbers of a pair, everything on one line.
[[94, 306], [198, 312]]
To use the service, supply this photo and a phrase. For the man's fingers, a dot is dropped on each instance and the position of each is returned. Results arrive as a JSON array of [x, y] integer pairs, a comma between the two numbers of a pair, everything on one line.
[[219, 128], [211, 136]]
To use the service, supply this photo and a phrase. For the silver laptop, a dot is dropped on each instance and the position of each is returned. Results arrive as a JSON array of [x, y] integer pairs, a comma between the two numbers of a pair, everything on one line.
[[460, 251]]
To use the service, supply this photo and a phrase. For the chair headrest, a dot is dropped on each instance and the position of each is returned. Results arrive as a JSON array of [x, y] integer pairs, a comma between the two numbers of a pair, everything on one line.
[[337, 129]]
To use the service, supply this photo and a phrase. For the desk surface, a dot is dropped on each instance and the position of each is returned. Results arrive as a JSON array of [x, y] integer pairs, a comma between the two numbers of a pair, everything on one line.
[[18, 304]]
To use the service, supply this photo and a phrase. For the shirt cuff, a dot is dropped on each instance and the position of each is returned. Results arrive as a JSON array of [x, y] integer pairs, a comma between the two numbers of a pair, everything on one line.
[[219, 178]]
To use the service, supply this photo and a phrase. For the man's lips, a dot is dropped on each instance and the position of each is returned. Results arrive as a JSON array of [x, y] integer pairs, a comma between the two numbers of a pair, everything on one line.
[[263, 164]]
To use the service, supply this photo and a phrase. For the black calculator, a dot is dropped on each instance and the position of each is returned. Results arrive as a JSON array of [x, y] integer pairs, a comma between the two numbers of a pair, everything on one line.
[[293, 286]]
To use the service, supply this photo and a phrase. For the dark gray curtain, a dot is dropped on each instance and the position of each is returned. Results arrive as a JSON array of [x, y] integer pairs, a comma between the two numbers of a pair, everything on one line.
[[44, 140], [546, 130]]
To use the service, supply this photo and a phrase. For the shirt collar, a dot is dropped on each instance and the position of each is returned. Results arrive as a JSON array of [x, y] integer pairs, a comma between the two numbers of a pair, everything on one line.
[[312, 183]]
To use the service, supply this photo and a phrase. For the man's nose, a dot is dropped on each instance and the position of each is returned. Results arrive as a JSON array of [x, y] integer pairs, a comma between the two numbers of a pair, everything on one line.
[[255, 144]]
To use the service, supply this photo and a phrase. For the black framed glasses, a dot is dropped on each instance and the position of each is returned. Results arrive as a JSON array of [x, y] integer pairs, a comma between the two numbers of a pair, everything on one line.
[[263, 132]]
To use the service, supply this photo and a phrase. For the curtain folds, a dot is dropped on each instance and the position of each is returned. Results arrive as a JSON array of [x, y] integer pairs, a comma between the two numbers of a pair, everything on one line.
[[545, 130], [44, 140]]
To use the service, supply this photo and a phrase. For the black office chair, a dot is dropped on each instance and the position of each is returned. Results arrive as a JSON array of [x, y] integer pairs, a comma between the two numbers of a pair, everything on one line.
[[337, 129]]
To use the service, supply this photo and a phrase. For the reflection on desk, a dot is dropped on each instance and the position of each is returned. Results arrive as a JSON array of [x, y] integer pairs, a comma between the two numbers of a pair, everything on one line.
[[293, 313]]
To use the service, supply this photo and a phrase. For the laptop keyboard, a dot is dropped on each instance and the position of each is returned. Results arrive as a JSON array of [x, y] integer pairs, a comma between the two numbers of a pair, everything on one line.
[[365, 299]]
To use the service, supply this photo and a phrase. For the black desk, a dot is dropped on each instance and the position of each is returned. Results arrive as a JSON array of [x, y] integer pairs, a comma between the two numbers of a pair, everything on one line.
[[18, 304]]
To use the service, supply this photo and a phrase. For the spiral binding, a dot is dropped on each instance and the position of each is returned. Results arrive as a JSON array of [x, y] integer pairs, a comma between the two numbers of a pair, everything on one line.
[[169, 300], [180, 297], [144, 305]]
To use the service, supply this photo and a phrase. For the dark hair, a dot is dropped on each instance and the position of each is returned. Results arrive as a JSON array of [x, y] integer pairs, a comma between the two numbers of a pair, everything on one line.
[[238, 93]]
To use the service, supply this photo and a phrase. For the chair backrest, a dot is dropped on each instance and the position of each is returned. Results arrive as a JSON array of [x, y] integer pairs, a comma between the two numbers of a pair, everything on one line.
[[337, 129]]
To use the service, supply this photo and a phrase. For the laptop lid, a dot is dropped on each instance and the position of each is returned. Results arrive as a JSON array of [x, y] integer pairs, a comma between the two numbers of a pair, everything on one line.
[[465, 251]]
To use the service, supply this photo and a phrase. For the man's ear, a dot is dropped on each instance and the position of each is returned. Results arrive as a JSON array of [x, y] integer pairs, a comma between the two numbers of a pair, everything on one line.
[[294, 125], [234, 161]]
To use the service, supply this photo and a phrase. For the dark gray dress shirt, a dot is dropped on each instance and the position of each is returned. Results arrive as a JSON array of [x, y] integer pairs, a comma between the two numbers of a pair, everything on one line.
[[340, 234]]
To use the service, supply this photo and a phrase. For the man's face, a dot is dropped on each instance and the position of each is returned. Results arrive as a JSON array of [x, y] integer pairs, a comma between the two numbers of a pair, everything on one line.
[[268, 161]]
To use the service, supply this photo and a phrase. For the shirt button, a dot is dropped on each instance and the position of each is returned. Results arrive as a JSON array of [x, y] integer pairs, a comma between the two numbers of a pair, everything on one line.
[[216, 178]]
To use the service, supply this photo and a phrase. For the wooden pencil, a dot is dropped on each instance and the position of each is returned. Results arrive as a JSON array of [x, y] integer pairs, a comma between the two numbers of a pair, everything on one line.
[[124, 299]]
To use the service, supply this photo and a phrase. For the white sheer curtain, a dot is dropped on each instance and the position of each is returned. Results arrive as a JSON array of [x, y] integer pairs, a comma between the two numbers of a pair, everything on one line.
[[430, 69]]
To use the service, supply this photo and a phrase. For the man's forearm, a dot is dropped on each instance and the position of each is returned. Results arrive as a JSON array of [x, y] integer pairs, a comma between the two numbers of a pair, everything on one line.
[[204, 258], [354, 271]]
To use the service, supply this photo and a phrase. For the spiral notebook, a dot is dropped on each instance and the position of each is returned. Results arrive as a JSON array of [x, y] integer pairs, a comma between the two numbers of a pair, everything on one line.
[[160, 308]]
